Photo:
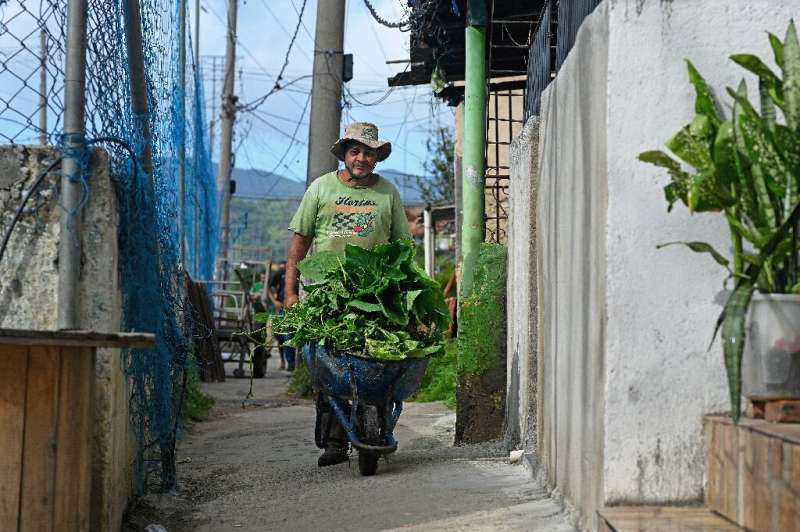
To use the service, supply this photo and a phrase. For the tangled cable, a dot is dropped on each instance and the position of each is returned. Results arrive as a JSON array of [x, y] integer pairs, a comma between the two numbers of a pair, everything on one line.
[[403, 25]]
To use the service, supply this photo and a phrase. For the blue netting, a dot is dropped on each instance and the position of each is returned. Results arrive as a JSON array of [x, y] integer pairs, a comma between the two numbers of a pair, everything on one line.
[[151, 279], [152, 283]]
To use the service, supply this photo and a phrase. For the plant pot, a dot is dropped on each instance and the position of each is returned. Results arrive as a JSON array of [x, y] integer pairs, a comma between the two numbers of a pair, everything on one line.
[[771, 359]]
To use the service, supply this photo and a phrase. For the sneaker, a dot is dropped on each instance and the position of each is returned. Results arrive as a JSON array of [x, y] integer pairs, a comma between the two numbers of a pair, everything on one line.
[[333, 455]]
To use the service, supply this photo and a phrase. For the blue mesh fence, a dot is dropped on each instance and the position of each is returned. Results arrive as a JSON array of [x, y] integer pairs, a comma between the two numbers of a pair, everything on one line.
[[149, 243]]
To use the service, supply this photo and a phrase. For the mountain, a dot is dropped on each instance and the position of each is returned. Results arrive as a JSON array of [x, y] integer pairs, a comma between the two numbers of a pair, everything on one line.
[[259, 184]]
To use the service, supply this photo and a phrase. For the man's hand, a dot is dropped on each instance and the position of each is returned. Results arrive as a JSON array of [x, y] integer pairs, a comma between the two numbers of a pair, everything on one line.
[[298, 249], [289, 300]]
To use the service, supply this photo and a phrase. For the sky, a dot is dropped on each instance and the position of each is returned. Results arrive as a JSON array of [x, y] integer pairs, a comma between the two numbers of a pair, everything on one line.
[[264, 32], [274, 138]]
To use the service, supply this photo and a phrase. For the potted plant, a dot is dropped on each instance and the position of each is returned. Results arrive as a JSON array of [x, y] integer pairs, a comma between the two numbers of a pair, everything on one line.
[[747, 168]]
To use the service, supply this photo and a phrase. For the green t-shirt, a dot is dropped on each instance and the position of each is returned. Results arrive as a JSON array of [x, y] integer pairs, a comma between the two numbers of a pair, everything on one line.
[[335, 214]]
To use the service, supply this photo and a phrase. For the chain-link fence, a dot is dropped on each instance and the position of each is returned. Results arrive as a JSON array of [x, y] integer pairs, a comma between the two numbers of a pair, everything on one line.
[[146, 168]]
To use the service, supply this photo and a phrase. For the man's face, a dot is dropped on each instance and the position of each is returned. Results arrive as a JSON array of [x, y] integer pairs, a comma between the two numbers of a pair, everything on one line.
[[360, 159]]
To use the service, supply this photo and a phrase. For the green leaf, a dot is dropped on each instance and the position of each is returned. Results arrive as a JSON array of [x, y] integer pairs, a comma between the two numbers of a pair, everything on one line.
[[704, 102], [791, 78], [733, 337], [771, 82], [319, 265], [691, 149], [365, 305], [777, 48], [700, 247]]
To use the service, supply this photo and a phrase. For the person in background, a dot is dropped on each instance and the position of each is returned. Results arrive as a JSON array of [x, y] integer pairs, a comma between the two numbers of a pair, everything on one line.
[[276, 295]]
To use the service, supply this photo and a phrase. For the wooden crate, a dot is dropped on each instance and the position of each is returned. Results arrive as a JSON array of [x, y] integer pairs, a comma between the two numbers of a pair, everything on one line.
[[754, 473], [46, 407]]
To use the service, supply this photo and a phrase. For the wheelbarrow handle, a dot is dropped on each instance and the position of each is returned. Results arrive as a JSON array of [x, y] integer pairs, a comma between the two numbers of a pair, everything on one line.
[[351, 432]]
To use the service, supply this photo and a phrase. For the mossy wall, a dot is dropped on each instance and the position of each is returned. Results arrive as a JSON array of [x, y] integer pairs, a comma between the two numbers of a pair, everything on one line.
[[481, 394]]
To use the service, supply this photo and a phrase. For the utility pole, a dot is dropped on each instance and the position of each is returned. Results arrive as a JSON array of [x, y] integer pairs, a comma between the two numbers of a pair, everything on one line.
[[72, 168], [326, 88], [182, 146], [43, 87], [474, 159], [212, 118], [197, 34], [226, 131]]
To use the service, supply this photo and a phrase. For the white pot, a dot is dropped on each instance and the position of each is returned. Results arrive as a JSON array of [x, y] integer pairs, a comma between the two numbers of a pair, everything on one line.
[[771, 359]]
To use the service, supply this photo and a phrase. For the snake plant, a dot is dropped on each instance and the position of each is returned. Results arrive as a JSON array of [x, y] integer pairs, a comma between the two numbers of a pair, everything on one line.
[[747, 168]]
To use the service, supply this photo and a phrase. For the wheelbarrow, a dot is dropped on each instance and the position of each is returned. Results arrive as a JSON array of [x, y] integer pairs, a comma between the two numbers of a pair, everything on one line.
[[366, 396]]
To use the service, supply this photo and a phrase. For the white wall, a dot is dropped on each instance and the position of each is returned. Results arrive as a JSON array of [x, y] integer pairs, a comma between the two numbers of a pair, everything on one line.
[[521, 281], [571, 218], [625, 378]]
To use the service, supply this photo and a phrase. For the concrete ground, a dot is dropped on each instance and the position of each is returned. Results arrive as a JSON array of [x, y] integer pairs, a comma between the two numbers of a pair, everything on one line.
[[254, 468]]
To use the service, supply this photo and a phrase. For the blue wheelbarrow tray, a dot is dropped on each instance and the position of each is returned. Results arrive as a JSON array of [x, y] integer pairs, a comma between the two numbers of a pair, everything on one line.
[[348, 377]]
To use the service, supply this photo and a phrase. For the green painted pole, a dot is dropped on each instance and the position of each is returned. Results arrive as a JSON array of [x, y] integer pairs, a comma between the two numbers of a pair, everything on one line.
[[474, 158]]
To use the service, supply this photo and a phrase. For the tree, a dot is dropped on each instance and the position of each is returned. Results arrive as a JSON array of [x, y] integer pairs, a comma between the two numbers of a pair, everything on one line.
[[439, 185]]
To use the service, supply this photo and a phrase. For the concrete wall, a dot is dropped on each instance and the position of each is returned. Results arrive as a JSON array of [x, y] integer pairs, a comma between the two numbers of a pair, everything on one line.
[[624, 378], [29, 300], [571, 214], [521, 288]]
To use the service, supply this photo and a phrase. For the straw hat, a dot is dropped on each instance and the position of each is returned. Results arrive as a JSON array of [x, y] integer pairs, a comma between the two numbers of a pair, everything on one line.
[[365, 133]]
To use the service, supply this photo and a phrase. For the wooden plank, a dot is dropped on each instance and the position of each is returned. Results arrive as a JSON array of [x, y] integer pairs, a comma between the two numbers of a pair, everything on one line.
[[13, 371], [73, 477], [782, 411], [76, 338], [663, 519], [39, 457]]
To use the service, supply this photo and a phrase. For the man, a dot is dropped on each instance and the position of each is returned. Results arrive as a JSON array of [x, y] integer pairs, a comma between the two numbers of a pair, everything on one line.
[[349, 206], [276, 295]]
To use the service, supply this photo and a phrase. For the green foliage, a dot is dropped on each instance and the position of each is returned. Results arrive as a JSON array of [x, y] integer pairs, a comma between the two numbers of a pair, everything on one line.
[[196, 404], [376, 303], [439, 186], [300, 384], [440, 379], [747, 168], [481, 330], [267, 221]]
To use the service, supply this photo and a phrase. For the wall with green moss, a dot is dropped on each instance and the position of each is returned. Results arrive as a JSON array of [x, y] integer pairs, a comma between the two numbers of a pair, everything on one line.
[[481, 364]]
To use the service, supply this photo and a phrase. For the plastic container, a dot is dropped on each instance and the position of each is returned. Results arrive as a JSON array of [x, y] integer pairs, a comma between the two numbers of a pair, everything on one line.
[[771, 359]]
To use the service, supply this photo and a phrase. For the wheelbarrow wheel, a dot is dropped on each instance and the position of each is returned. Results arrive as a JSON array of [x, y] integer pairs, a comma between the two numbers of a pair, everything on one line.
[[367, 463]]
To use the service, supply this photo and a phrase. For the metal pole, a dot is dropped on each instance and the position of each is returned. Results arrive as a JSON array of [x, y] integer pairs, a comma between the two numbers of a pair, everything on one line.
[[226, 131], [182, 144], [197, 34], [326, 88], [133, 41], [43, 89], [474, 158], [212, 119], [428, 241], [72, 168]]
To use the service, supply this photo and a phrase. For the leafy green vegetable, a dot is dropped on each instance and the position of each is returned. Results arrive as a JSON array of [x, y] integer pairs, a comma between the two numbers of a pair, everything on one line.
[[375, 303]]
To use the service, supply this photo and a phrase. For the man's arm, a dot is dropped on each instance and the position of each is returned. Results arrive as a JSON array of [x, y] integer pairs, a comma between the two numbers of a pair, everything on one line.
[[298, 249]]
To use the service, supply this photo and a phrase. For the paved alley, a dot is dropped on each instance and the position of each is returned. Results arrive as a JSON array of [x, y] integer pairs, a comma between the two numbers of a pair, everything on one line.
[[255, 469]]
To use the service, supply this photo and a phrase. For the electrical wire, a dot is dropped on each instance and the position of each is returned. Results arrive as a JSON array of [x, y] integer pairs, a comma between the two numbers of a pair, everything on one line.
[[258, 101]]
